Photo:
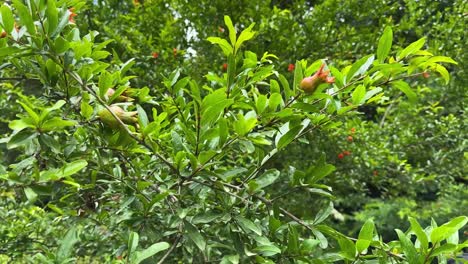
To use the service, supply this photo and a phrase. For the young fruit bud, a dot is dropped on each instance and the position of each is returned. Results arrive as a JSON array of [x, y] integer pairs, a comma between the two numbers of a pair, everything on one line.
[[120, 98], [3, 34], [309, 84], [108, 119]]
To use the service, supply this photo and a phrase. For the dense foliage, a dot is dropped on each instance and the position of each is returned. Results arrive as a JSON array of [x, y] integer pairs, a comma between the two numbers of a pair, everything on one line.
[[184, 132]]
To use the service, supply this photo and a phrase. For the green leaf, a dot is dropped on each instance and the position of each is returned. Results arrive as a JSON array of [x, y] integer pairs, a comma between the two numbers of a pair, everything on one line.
[[142, 117], [31, 113], [20, 124], [419, 232], [289, 136], [412, 48], [195, 236], [267, 250], [446, 230], [56, 124], [360, 67], [245, 35], [319, 235], [267, 178], [318, 172], [348, 250], [358, 95], [232, 30], [365, 236], [385, 44], [66, 245], [61, 45], [223, 44], [133, 240], [444, 249], [7, 19], [52, 17], [297, 75], [25, 16], [323, 214], [7, 51], [150, 251], [406, 89], [243, 125], [31, 195], [293, 239], [73, 167], [440, 59], [443, 72], [408, 248], [63, 21], [248, 226], [23, 137]]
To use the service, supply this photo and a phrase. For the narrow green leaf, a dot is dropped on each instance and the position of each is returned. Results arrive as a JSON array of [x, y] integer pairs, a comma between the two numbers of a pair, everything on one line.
[[150, 251], [195, 236], [443, 72], [142, 117], [223, 44], [289, 136], [406, 89], [133, 240], [23, 137], [323, 214], [56, 124], [267, 178], [446, 230], [248, 226], [293, 239], [359, 67], [245, 35], [232, 30], [412, 48], [66, 245], [358, 95], [348, 250], [25, 16], [73, 167], [7, 18], [441, 59], [297, 75], [52, 17], [408, 248], [385, 44], [7, 51], [420, 234], [365, 236], [267, 250]]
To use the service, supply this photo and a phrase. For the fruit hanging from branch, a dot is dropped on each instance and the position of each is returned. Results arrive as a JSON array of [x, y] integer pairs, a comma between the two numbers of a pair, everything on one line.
[[310, 84]]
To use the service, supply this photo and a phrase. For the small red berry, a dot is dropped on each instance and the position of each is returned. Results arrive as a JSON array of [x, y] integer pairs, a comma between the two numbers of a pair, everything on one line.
[[353, 130], [225, 66], [174, 51], [350, 139], [291, 67], [426, 75], [346, 153], [155, 55], [341, 156]]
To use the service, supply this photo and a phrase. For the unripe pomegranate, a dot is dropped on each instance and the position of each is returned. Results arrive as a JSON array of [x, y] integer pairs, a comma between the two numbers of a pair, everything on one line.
[[126, 117], [309, 84], [3, 34]]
